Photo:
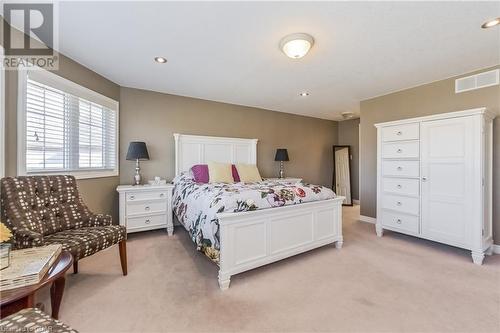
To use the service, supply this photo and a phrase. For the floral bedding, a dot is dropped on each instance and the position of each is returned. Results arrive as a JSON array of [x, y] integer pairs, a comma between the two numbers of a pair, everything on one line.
[[196, 205]]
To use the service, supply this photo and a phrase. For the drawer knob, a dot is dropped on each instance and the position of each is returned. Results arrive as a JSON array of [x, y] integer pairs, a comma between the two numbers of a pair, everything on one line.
[[400, 168], [132, 197], [148, 221], [399, 133], [400, 150], [399, 221], [147, 208], [399, 186], [424, 179], [399, 203], [162, 195]]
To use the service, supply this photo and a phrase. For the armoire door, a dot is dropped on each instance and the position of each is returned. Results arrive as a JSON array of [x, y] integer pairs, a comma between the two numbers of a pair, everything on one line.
[[447, 153]]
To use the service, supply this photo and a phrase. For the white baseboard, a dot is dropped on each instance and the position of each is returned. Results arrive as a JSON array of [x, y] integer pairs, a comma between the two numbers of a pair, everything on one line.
[[356, 202], [496, 249], [367, 219]]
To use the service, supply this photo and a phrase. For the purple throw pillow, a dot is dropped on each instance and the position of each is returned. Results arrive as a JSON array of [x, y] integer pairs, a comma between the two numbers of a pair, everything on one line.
[[236, 175], [200, 173]]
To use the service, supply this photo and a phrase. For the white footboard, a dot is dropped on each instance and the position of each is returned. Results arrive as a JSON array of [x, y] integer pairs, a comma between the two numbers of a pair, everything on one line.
[[252, 239]]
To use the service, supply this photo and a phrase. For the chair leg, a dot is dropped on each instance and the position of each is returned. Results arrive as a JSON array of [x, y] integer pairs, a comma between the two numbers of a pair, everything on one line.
[[123, 255], [75, 267]]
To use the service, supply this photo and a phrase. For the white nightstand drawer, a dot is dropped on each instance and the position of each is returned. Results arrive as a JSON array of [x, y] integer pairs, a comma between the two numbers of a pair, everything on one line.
[[400, 168], [146, 221], [147, 195], [401, 186], [401, 204], [401, 132], [141, 207], [400, 149], [400, 221]]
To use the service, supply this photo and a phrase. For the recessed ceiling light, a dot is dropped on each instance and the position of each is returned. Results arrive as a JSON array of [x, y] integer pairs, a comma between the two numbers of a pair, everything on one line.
[[160, 60], [296, 45], [491, 23], [304, 94]]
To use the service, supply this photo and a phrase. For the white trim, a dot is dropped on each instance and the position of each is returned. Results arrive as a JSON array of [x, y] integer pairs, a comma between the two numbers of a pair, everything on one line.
[[447, 115], [51, 79], [356, 202], [367, 219], [2, 118], [496, 249]]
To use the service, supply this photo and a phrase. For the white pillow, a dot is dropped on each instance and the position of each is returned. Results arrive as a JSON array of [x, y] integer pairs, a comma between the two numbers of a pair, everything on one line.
[[220, 173], [248, 173]]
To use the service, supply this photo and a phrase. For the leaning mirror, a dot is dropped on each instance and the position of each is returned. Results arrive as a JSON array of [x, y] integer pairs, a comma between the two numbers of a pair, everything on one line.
[[342, 173]]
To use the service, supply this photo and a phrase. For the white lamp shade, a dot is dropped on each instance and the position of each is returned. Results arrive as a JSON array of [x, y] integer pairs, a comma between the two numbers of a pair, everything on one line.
[[296, 45]]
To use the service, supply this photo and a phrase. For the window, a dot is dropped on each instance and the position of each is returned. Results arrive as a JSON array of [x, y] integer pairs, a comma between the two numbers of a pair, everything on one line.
[[65, 128]]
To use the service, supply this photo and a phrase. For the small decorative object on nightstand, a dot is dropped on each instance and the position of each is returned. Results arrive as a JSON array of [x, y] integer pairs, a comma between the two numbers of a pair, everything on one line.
[[281, 156], [287, 180], [146, 207], [137, 151]]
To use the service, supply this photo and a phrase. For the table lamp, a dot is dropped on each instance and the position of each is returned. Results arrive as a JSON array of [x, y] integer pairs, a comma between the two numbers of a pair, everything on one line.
[[281, 156], [139, 152]]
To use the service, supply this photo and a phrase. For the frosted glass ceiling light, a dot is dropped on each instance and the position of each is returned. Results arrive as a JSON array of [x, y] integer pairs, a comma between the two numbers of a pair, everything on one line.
[[296, 45]]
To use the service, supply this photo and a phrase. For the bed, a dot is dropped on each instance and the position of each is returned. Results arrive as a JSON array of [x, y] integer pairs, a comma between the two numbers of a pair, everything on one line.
[[242, 226]]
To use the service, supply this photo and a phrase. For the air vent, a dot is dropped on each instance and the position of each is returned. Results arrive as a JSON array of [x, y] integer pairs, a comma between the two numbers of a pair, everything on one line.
[[481, 80]]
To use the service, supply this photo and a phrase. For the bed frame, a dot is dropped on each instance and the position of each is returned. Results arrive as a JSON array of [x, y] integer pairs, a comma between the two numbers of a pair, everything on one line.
[[252, 239]]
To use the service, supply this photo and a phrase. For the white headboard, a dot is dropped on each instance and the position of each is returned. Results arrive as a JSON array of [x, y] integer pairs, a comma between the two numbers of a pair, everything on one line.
[[197, 149]]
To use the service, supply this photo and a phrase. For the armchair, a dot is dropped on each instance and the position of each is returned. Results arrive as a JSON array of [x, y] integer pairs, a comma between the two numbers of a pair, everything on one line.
[[42, 210]]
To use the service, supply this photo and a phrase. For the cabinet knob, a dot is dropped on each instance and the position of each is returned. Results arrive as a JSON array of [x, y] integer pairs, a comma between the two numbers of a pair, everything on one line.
[[148, 221], [132, 197], [399, 203], [399, 133], [400, 150], [147, 208], [424, 179], [398, 221], [400, 168], [399, 186], [162, 195]]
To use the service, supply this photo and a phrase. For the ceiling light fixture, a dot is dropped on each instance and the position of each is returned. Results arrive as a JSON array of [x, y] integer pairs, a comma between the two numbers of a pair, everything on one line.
[[304, 94], [296, 45], [491, 23], [160, 60], [347, 115]]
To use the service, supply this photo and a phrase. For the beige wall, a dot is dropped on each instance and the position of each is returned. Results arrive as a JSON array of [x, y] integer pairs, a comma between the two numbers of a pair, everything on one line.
[[348, 134], [433, 98], [99, 194], [154, 117]]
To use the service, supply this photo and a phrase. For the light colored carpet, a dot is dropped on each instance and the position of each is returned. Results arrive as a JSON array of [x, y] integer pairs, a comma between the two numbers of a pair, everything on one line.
[[393, 284]]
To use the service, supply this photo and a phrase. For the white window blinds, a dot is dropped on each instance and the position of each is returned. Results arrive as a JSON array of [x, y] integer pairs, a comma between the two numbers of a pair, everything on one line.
[[65, 132]]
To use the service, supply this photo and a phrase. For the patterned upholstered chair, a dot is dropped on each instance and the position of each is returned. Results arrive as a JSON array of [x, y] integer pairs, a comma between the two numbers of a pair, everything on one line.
[[42, 210], [33, 320]]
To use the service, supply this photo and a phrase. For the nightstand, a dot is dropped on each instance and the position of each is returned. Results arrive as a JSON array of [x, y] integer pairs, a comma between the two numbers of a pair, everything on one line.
[[146, 207], [286, 180]]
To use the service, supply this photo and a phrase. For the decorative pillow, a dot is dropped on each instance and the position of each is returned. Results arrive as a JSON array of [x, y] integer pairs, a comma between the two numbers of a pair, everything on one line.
[[200, 173], [236, 176], [220, 172], [248, 173]]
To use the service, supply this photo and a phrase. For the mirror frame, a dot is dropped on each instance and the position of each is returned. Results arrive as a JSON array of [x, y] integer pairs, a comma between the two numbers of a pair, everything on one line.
[[350, 171]]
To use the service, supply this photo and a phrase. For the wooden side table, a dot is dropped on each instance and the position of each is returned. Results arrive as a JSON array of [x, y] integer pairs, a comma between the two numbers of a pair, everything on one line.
[[13, 300]]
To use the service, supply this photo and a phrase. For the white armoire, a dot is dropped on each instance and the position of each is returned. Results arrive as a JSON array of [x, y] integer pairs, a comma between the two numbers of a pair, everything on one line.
[[434, 178]]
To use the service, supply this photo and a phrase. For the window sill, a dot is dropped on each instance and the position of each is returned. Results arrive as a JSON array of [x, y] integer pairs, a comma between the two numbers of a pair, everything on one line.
[[78, 174]]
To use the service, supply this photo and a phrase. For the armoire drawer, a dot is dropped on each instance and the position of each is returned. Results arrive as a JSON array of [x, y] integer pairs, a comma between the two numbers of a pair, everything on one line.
[[400, 168], [400, 149], [401, 186], [400, 221], [401, 132], [401, 204], [146, 221]]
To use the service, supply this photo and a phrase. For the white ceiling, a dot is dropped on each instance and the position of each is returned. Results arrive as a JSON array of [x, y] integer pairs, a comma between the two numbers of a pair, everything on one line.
[[228, 51]]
